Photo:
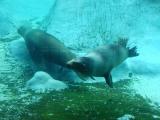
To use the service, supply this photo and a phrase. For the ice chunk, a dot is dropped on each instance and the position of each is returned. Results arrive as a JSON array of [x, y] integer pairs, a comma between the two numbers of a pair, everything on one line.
[[42, 81]]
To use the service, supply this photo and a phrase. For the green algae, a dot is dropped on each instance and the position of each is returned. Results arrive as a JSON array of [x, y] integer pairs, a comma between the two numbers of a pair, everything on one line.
[[91, 102], [83, 101]]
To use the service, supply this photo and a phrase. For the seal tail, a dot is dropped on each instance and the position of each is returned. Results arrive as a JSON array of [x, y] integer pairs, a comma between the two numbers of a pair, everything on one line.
[[132, 52]]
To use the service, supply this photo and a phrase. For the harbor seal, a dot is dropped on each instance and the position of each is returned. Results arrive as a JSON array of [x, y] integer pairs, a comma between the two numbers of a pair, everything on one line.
[[102, 60], [46, 51]]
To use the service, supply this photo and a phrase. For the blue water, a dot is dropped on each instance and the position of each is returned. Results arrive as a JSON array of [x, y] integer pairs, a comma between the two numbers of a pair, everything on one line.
[[82, 26]]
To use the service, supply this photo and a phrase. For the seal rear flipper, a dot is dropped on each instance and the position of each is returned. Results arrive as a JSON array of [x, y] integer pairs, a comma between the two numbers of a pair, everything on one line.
[[132, 52], [122, 42], [108, 79]]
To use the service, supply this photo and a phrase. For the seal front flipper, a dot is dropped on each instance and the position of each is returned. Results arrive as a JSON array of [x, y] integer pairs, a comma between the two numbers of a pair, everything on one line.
[[108, 79], [92, 78]]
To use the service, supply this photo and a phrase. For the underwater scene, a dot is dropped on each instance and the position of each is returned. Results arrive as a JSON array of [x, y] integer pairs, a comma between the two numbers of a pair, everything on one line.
[[80, 60]]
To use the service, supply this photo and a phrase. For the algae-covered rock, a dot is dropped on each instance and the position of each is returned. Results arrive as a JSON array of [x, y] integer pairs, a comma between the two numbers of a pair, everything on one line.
[[91, 102]]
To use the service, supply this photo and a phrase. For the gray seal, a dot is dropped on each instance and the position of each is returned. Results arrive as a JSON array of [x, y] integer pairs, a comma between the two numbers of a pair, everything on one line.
[[102, 60], [46, 51]]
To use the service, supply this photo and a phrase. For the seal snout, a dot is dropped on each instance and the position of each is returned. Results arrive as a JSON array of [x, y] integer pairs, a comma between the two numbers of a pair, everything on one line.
[[21, 30]]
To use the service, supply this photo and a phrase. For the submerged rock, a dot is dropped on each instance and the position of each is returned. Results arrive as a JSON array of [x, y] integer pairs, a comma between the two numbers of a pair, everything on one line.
[[126, 117], [156, 117], [41, 82], [19, 50]]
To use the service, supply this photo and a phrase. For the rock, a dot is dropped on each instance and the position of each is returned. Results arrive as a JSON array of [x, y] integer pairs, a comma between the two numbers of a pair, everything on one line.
[[156, 116], [19, 50], [41, 82], [126, 117]]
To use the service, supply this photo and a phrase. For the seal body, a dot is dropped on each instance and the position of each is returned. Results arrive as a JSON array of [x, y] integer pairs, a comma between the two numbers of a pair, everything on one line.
[[44, 47], [46, 50], [102, 60]]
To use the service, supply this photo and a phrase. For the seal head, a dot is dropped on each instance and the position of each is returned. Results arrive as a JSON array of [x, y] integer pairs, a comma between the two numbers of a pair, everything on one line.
[[81, 64], [23, 30]]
